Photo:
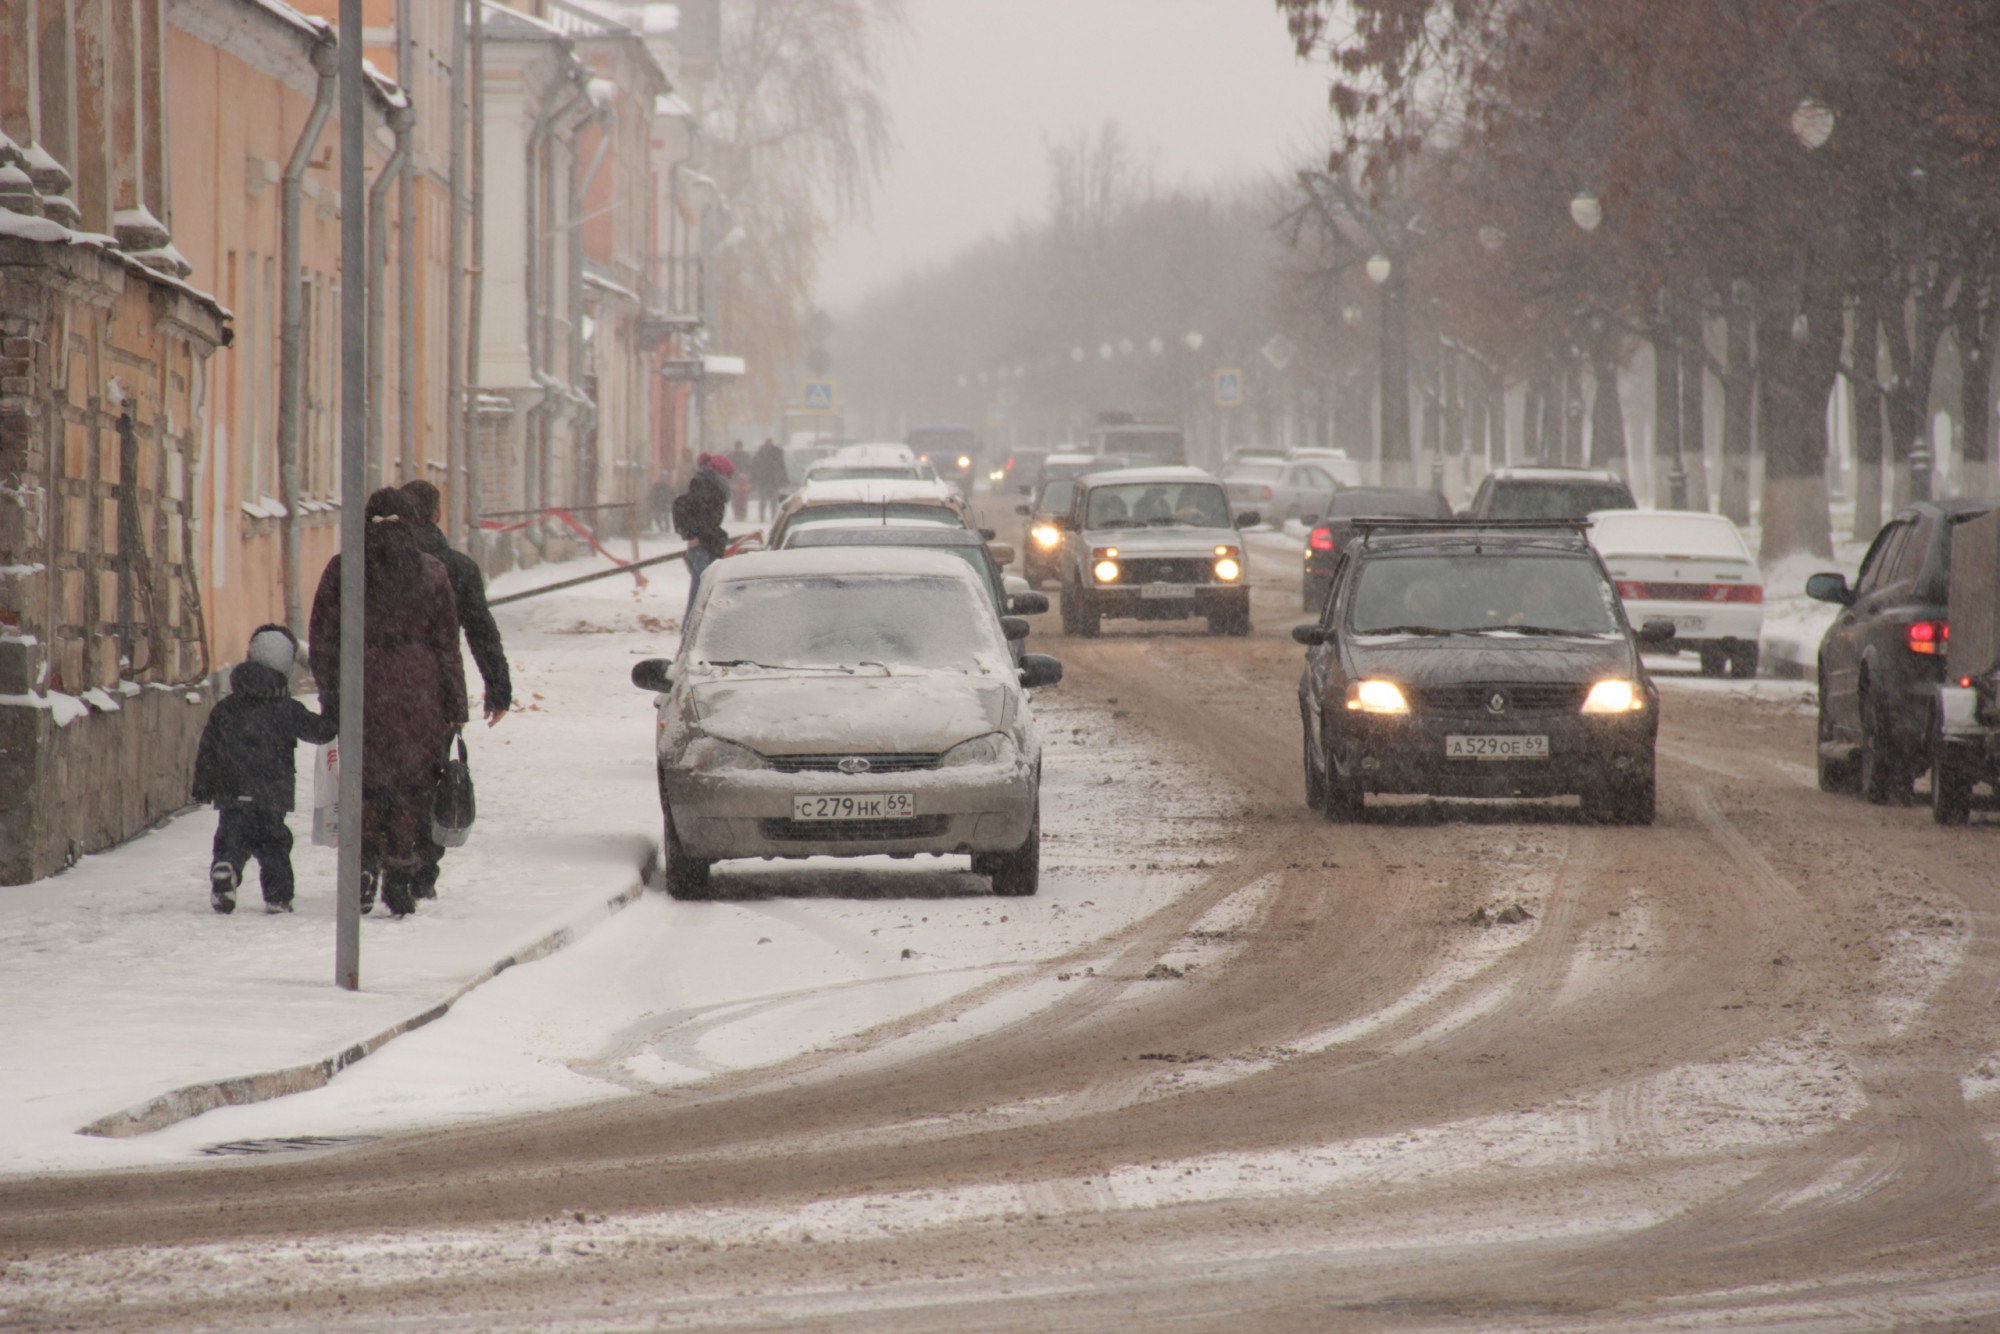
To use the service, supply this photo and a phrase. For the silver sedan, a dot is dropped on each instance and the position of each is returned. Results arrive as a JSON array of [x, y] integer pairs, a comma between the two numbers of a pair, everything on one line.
[[847, 702]]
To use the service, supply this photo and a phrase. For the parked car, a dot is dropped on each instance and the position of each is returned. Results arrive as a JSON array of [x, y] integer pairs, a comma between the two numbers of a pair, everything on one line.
[[799, 460], [845, 703], [1477, 662], [1329, 537], [882, 499], [964, 543], [1692, 569], [1548, 493], [878, 462], [1155, 544], [1041, 550], [1882, 659]]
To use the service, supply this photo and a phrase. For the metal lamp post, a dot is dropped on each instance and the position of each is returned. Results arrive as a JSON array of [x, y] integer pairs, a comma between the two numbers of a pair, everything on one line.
[[1394, 450]]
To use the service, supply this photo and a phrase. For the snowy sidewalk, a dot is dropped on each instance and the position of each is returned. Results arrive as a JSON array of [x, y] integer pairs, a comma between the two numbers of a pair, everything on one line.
[[121, 984]]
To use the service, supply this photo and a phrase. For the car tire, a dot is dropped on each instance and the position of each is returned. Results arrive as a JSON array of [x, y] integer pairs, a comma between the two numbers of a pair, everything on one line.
[[1089, 621], [1018, 874], [1340, 801], [1315, 781], [684, 877], [1884, 781], [1951, 785], [1743, 661], [1714, 659]]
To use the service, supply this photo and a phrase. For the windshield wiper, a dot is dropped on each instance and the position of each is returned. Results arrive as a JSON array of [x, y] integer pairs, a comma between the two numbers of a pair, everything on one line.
[[1407, 630], [1548, 630], [780, 666]]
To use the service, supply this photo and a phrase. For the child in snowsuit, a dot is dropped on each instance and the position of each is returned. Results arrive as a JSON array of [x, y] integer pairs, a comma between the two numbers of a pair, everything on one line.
[[245, 766]]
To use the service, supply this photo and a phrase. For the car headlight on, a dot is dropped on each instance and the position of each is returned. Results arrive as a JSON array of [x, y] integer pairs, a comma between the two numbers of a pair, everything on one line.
[[708, 755], [1228, 569], [964, 461], [997, 475], [993, 748], [1614, 696], [1106, 571], [1046, 535], [1376, 697]]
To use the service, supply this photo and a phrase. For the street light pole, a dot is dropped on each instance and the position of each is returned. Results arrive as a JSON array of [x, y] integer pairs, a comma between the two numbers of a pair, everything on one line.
[[353, 492], [1394, 451]]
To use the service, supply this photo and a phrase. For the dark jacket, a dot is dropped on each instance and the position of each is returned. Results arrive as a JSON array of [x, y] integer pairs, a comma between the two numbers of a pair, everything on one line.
[[767, 467], [482, 636], [698, 512], [247, 749], [413, 677]]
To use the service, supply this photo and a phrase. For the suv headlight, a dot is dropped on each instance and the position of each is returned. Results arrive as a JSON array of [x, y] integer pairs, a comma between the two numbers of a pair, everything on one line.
[[1614, 696], [1376, 697], [993, 748], [708, 755], [1046, 535]]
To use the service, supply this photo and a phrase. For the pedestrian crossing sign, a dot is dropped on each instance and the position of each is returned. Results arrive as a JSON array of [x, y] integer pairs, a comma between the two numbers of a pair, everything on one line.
[[1229, 389], [818, 396]]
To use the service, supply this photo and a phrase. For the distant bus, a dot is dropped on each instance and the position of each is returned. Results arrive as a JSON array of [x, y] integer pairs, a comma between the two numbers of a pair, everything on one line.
[[1160, 442], [953, 452]]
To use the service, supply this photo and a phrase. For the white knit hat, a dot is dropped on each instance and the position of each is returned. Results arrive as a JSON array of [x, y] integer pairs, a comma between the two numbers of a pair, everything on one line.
[[274, 647]]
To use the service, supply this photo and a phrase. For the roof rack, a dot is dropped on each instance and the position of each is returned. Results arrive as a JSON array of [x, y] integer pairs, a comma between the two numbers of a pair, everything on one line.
[[1573, 529]]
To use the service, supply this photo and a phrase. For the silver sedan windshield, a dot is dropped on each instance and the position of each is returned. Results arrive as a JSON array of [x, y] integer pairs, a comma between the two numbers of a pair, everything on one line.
[[1480, 594], [849, 621]]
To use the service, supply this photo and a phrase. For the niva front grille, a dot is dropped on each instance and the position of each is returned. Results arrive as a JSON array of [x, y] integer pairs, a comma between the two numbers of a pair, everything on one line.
[[830, 764], [1169, 570], [1537, 697]]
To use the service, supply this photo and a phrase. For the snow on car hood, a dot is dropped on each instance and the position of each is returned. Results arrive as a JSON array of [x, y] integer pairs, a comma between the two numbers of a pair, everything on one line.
[[823, 714], [1175, 541], [1463, 658]]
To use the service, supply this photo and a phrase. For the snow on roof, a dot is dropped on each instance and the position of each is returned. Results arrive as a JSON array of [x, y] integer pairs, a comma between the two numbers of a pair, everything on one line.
[[792, 563], [1660, 532]]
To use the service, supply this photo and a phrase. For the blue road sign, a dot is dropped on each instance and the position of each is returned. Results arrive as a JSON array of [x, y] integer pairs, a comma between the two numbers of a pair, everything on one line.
[[1229, 389], [818, 396]]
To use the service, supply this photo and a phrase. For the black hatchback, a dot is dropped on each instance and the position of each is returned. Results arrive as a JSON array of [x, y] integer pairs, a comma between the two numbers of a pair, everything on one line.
[[1477, 660], [1327, 538], [1882, 659]]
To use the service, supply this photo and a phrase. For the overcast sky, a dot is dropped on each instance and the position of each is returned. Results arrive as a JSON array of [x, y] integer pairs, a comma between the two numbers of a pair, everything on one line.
[[1209, 86]]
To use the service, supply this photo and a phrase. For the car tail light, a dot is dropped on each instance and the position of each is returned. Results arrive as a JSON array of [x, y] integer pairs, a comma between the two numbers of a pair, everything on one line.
[[1321, 539], [1736, 593], [1928, 636], [1642, 591]]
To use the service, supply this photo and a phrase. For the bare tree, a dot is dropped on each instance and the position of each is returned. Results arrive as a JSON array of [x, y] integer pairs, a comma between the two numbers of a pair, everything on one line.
[[798, 136]]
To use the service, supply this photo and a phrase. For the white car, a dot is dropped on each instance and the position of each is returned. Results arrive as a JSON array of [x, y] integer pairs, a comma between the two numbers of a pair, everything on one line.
[[847, 702], [1344, 469], [873, 462], [882, 497], [1692, 569]]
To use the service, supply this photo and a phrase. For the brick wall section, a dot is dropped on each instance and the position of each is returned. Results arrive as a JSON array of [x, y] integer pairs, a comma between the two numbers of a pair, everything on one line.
[[101, 375]]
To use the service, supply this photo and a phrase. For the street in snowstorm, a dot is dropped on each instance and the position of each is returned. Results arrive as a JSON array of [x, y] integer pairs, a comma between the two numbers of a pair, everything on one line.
[[926, 665]]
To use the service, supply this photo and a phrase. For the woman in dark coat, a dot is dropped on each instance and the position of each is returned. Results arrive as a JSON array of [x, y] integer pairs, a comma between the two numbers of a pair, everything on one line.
[[413, 684]]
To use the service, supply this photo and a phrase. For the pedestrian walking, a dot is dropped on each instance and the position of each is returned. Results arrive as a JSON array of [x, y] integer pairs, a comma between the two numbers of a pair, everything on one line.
[[767, 476], [482, 636], [662, 498], [739, 485], [245, 765], [698, 515], [413, 682]]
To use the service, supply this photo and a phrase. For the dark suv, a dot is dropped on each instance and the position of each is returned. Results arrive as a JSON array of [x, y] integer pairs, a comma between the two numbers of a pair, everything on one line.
[[1477, 660], [1883, 657], [1548, 493]]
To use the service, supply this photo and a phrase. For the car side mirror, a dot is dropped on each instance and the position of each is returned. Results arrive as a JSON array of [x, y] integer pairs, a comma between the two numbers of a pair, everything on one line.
[[1014, 628], [1028, 604], [1003, 554], [1830, 588], [655, 674], [1310, 635], [1039, 669], [1249, 519], [1656, 632], [989, 535], [1025, 511]]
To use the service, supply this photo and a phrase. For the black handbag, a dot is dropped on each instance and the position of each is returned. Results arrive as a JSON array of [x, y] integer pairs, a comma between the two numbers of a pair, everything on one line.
[[453, 808]]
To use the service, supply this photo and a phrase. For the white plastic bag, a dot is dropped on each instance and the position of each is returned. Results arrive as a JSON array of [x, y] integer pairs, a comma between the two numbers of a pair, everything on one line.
[[326, 796]]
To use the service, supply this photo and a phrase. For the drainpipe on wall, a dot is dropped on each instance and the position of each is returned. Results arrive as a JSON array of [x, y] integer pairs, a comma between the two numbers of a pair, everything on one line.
[[406, 276], [584, 409], [475, 301], [400, 120], [536, 445], [291, 351]]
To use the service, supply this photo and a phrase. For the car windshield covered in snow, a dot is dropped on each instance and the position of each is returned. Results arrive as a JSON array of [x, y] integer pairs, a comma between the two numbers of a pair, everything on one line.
[[1483, 594], [1197, 504], [849, 621]]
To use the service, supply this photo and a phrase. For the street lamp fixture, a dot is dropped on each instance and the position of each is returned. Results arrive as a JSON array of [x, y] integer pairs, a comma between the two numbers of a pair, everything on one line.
[[1193, 341], [1585, 211], [1812, 122], [1378, 269]]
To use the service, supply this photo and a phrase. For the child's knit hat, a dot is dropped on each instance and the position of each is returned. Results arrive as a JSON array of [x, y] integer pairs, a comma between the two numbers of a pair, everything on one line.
[[273, 646]]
